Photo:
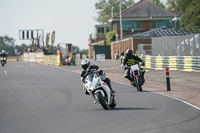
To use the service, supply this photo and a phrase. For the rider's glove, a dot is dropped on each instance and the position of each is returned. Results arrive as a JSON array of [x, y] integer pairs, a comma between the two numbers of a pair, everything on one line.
[[103, 77], [100, 72], [124, 67], [143, 63], [83, 79]]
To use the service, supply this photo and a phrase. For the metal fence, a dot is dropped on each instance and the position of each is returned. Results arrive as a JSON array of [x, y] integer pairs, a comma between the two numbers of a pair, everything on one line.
[[176, 45], [142, 51]]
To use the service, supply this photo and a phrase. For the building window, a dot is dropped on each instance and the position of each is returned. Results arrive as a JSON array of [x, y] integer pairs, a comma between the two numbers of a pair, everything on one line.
[[114, 27], [153, 24], [128, 25], [107, 30], [138, 25], [100, 30]]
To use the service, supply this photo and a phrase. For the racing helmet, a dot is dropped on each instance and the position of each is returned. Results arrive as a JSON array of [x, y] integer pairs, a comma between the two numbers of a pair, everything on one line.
[[85, 63], [3, 51], [129, 53]]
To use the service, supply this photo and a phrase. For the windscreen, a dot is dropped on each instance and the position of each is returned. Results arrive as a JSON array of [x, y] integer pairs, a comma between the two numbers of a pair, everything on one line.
[[90, 77]]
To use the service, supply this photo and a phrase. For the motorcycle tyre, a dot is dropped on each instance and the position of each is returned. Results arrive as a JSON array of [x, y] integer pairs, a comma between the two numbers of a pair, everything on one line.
[[139, 86], [136, 84], [3, 64], [113, 103], [102, 101]]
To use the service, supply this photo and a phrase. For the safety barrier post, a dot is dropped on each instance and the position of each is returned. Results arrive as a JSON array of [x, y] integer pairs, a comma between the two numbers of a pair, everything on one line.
[[168, 79]]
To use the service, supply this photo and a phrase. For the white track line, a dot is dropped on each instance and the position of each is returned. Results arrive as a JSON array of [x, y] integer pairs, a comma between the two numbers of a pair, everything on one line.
[[144, 89], [5, 72], [166, 96]]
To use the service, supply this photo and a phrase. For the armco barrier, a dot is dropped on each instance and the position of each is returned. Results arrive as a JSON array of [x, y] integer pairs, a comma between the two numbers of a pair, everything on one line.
[[32, 57], [13, 59], [52, 60], [196, 62], [26, 57], [159, 63], [188, 63], [183, 63], [172, 63], [39, 57]]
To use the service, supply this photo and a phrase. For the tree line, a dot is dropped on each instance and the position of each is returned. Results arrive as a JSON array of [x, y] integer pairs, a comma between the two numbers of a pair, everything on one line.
[[8, 44], [190, 9]]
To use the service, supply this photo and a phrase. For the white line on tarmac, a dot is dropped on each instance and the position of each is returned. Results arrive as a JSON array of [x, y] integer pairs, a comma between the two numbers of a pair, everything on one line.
[[144, 89], [5, 72], [166, 96], [179, 100]]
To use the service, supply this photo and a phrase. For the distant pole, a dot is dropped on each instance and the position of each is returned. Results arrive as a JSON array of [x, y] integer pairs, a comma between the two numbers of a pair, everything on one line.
[[168, 79], [112, 11], [43, 38], [121, 32]]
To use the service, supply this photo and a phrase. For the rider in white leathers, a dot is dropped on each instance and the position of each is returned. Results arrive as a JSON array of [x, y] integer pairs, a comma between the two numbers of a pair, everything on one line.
[[85, 64]]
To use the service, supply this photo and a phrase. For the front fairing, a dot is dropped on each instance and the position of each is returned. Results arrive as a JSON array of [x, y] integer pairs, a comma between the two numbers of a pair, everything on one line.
[[92, 81], [94, 84], [135, 70], [3, 58]]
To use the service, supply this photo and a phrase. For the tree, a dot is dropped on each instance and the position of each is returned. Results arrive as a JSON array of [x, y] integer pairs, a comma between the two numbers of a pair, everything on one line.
[[172, 5], [191, 9], [110, 37], [183, 4], [84, 51], [158, 3], [104, 8], [20, 49], [7, 44], [75, 49], [178, 5], [191, 16]]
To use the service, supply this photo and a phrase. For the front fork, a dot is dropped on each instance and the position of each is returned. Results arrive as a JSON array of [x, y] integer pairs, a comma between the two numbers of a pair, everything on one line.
[[108, 99], [135, 74]]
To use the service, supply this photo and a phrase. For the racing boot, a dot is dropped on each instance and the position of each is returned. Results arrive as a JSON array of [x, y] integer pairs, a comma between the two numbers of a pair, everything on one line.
[[143, 80], [112, 90], [86, 92], [133, 84], [131, 81]]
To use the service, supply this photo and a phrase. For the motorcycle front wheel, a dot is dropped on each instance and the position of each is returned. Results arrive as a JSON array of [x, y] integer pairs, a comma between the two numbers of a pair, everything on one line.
[[139, 86], [102, 101], [113, 102], [3, 64]]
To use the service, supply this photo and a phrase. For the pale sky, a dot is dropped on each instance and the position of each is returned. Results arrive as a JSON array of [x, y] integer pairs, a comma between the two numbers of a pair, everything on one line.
[[72, 20]]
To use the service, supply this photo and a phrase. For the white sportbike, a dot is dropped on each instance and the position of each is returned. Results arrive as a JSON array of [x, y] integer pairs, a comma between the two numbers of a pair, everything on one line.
[[99, 90]]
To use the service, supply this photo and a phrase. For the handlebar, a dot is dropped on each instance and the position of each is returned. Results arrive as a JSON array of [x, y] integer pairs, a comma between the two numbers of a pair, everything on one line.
[[92, 71]]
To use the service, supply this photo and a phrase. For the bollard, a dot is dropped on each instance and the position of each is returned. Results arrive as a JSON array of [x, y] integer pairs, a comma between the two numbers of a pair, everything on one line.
[[168, 79]]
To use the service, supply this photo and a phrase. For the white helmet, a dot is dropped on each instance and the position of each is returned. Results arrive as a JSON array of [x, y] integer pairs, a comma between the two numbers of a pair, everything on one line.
[[85, 63], [3, 51]]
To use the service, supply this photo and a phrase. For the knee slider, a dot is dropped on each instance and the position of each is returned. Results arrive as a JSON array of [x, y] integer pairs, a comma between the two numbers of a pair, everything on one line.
[[126, 75]]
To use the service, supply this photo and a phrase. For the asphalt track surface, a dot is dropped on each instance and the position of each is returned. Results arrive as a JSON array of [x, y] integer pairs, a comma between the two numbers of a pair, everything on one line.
[[41, 99]]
